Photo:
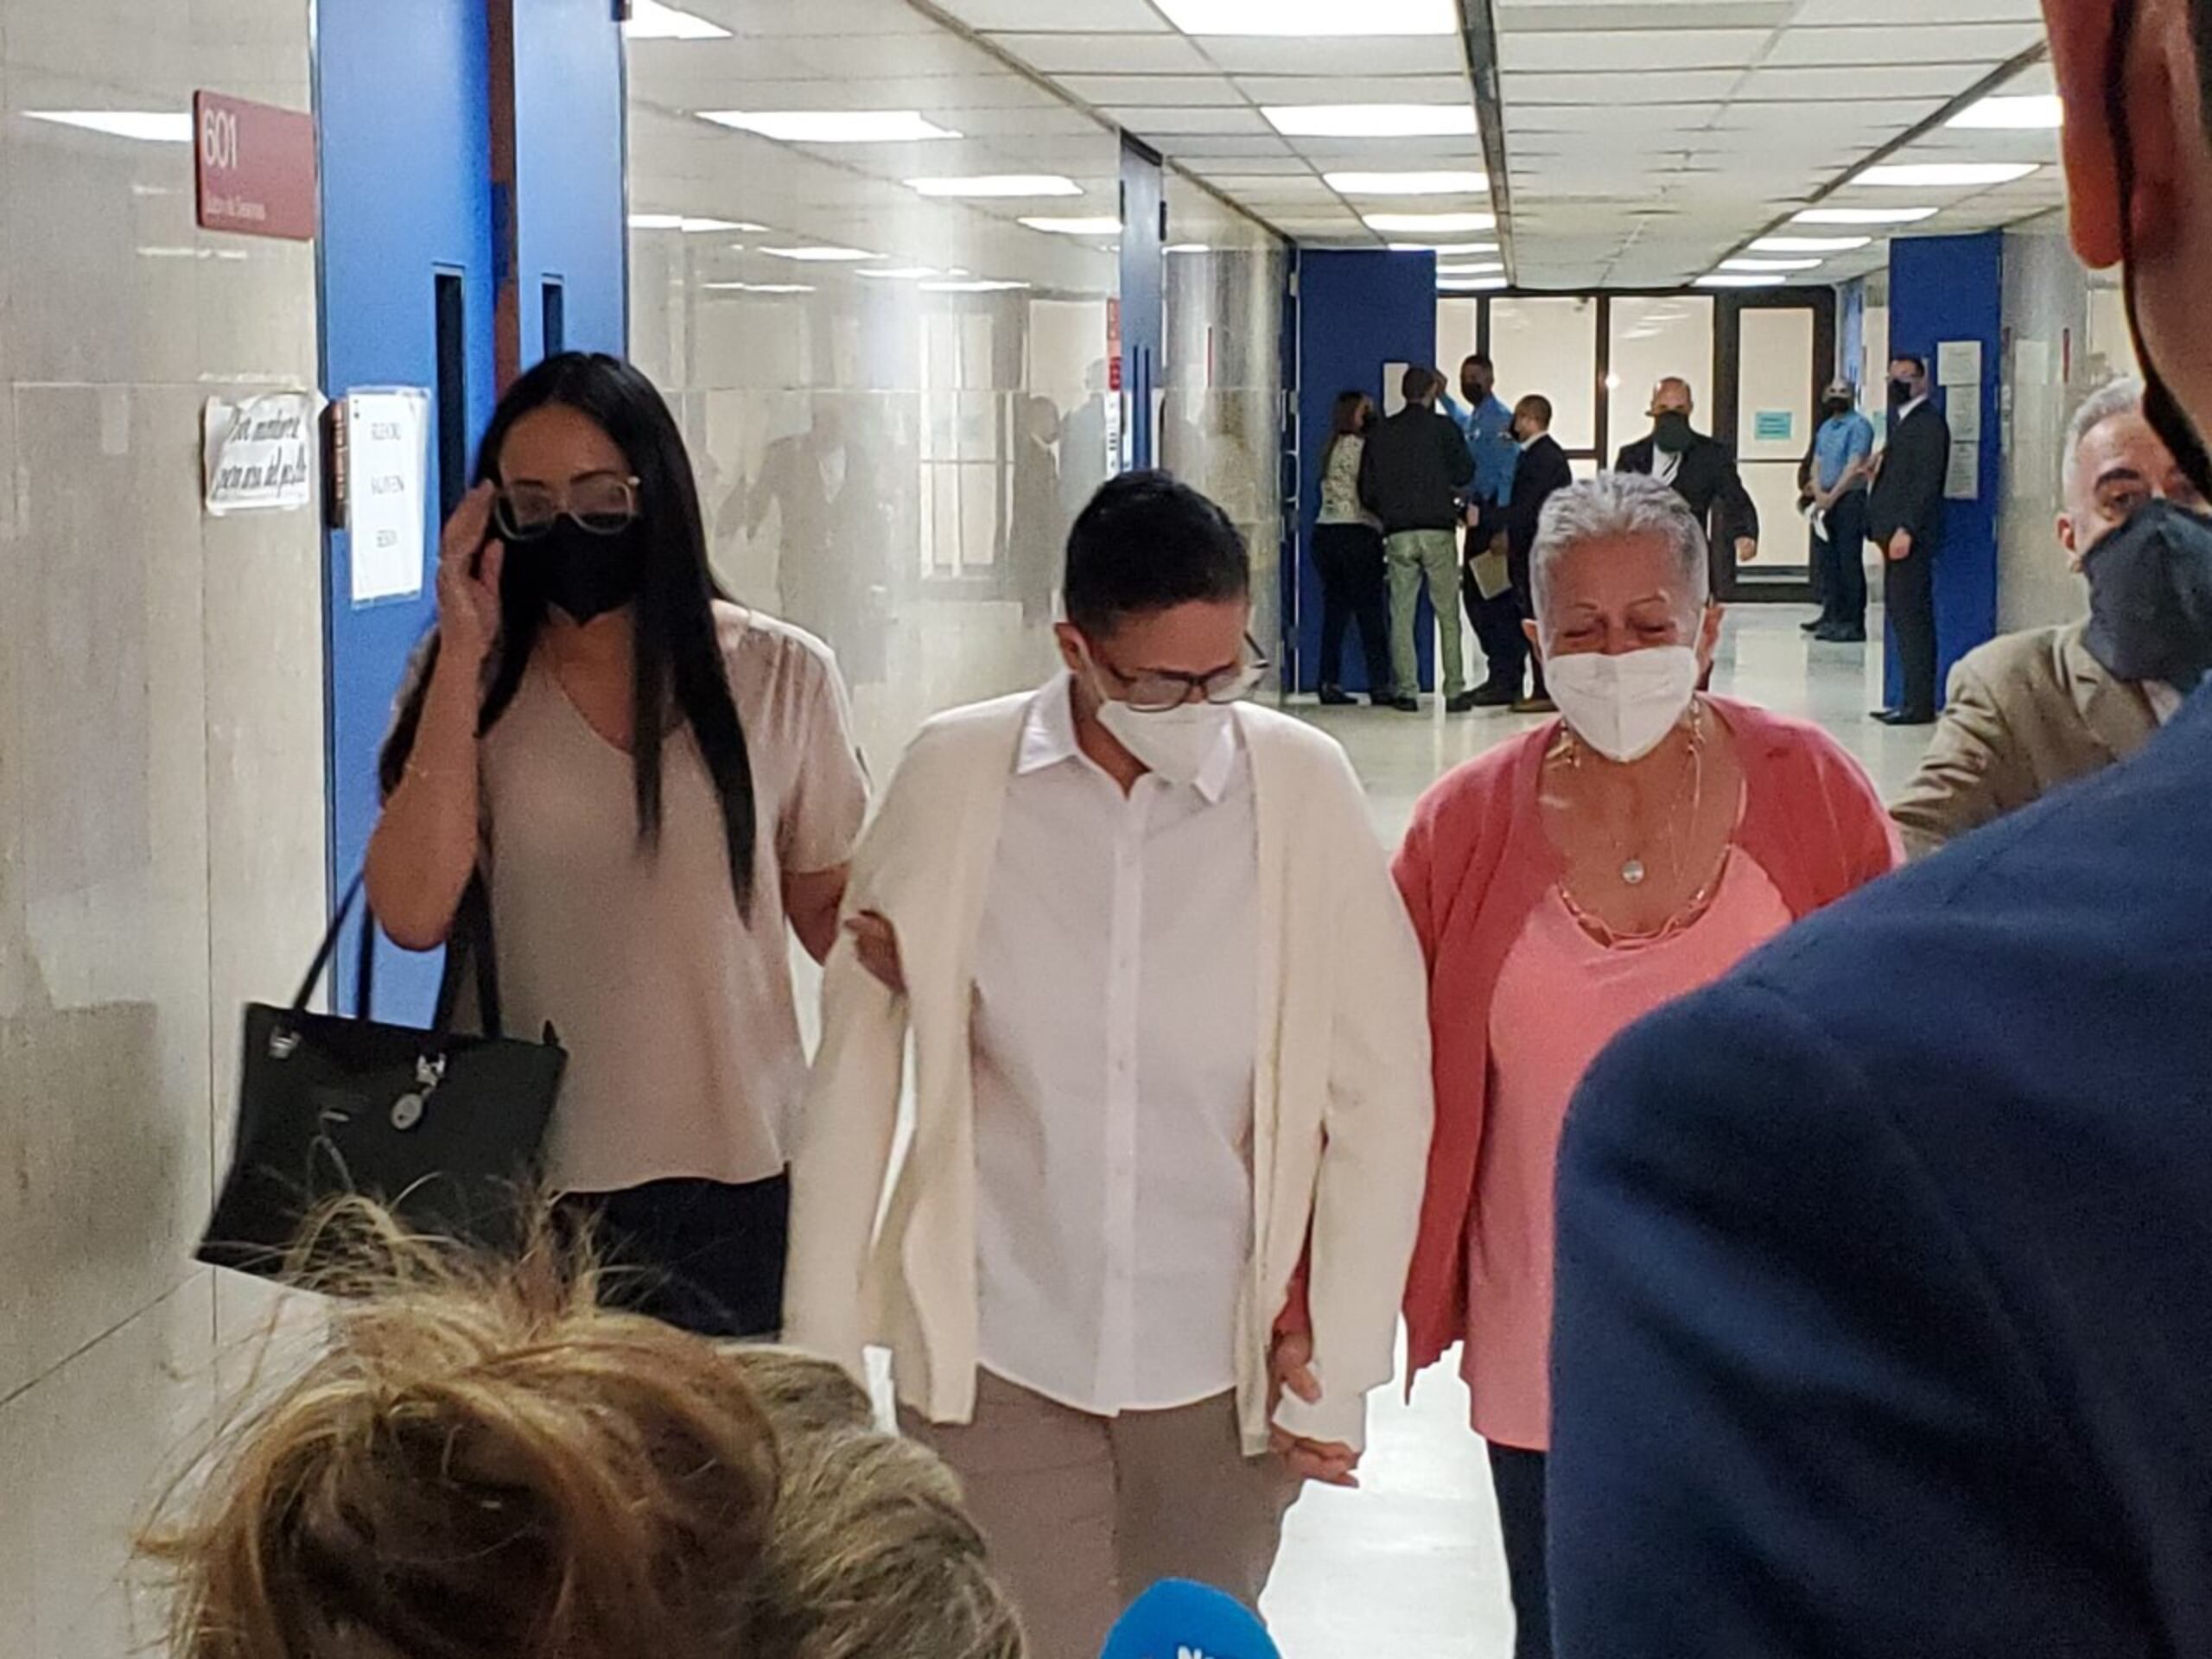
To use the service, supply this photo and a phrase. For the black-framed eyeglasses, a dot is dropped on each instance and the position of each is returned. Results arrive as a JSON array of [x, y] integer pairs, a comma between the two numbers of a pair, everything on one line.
[[601, 503], [1157, 691]]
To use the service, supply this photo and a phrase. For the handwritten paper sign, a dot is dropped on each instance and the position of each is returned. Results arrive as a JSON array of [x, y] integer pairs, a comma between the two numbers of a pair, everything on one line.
[[259, 455], [388, 449]]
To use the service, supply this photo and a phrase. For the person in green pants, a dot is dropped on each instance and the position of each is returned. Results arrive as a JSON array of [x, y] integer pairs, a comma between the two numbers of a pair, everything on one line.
[[1411, 475]]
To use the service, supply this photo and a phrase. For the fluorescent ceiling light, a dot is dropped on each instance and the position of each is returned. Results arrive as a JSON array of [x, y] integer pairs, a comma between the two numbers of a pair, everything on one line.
[[1443, 223], [1928, 175], [998, 184], [1442, 252], [1372, 120], [902, 273], [1769, 264], [1488, 268], [652, 20], [1187, 247], [685, 222], [832, 126], [1407, 184], [1312, 17], [148, 126], [822, 256], [759, 287], [1810, 244], [1471, 285], [2037, 112], [975, 285], [1107, 225], [1727, 279], [1864, 215]]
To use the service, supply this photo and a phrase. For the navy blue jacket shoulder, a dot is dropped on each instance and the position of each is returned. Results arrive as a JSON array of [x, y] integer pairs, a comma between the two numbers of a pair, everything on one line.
[[1884, 1316]]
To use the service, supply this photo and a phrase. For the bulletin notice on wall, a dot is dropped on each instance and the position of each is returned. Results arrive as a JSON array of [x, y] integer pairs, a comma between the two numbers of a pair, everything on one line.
[[258, 454], [387, 460]]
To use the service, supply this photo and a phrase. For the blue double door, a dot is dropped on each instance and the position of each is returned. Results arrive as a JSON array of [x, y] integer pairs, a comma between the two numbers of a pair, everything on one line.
[[440, 277]]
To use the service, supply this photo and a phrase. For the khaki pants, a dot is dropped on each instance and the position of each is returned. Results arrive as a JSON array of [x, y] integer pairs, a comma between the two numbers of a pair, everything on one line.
[[1430, 556], [1085, 1514]]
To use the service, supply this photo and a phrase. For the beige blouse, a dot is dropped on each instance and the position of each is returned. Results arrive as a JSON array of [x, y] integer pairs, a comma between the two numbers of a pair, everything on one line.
[[685, 1057]]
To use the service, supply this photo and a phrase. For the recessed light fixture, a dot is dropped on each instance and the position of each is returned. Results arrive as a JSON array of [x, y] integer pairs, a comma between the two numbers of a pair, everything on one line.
[[1312, 17], [902, 273], [1811, 244], [1737, 279], [1187, 247], [973, 285], [1107, 225], [1488, 268], [758, 288], [650, 20], [832, 126], [1769, 264], [1471, 285], [148, 126], [687, 224], [824, 256], [1407, 184], [1864, 215], [1440, 224], [2035, 112], [998, 184], [1372, 120], [1444, 250], [1933, 176]]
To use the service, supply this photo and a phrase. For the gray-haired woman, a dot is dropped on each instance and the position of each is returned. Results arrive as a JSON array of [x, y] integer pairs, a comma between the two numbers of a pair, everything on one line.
[[1567, 884]]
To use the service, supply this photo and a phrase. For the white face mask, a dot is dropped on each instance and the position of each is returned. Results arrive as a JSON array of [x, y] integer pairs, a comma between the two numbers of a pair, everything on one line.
[[1624, 707], [1176, 743]]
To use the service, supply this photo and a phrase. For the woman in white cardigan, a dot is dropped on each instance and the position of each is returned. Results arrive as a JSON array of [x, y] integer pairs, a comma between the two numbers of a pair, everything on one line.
[[1171, 1068]]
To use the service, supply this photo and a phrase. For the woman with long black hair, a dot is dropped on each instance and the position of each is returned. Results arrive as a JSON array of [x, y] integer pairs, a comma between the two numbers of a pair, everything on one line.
[[1348, 555], [642, 785]]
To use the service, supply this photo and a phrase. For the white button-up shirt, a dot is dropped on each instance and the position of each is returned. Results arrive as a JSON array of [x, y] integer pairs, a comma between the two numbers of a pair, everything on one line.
[[1114, 1031]]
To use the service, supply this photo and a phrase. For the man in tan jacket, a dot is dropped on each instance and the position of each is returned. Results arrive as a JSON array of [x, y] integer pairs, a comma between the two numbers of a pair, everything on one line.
[[2031, 712]]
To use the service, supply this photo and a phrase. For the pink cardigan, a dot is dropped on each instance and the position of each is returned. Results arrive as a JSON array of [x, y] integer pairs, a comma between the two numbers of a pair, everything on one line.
[[1475, 864]]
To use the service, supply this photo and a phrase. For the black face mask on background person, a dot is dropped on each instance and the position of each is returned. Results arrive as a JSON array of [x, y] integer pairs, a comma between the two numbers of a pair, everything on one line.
[[1837, 408], [2160, 407], [1670, 431], [2151, 597], [581, 574], [1902, 392]]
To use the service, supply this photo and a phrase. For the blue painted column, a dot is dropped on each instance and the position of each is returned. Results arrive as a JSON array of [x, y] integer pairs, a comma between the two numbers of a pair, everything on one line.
[[570, 266], [1144, 296], [1950, 289], [1357, 311]]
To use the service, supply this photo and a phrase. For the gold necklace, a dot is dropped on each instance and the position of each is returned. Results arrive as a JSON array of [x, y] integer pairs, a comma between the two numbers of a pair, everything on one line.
[[1635, 869]]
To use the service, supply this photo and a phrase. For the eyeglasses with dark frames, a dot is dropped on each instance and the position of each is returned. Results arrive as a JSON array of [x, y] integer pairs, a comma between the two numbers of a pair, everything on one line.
[[599, 503]]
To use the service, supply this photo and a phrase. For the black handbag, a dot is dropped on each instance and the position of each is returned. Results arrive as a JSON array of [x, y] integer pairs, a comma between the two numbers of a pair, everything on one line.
[[443, 1130]]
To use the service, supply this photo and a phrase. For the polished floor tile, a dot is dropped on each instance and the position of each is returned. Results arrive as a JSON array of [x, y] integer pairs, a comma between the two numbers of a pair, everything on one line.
[[1411, 1563]]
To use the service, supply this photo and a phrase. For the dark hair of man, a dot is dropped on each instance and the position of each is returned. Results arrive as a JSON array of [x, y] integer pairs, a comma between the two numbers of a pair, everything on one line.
[[1919, 363], [1148, 544], [1480, 360], [1415, 385], [679, 664], [1538, 406]]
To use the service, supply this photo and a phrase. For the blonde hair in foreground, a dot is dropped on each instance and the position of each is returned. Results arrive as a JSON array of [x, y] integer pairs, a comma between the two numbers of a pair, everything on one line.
[[483, 1463]]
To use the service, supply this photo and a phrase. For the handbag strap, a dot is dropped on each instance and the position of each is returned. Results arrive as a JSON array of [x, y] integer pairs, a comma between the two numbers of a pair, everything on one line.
[[366, 963], [472, 935], [472, 949]]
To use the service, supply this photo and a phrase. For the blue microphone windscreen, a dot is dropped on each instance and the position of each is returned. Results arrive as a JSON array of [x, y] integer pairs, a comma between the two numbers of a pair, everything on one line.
[[1178, 1620]]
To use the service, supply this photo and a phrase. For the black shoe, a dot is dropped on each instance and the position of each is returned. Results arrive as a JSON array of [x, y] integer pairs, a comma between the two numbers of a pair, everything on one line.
[[1495, 696], [1465, 703], [1334, 696], [1404, 705], [1835, 634], [1903, 717], [1536, 705], [1815, 626]]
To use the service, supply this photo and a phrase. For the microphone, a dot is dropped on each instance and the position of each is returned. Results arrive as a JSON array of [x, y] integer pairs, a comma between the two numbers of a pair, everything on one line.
[[1176, 1619]]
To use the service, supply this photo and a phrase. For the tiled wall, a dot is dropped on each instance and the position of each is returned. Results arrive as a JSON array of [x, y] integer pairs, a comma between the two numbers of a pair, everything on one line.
[[161, 769], [959, 426]]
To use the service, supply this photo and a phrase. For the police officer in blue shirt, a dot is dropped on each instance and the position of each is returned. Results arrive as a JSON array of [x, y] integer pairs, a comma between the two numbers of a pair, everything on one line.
[[1837, 479], [1487, 424]]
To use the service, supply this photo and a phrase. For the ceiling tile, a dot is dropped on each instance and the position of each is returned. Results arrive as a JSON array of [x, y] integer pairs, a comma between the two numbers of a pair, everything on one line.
[[1172, 92], [1690, 86], [1937, 80], [1173, 123], [1357, 89], [1110, 55], [1266, 55], [1575, 52], [1134, 14], [1948, 42]]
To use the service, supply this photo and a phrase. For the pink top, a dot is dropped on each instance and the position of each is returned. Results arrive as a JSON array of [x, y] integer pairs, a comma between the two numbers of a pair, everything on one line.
[[1537, 1060]]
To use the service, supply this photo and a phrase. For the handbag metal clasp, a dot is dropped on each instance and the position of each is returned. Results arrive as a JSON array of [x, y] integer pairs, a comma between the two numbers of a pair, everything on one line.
[[407, 1111]]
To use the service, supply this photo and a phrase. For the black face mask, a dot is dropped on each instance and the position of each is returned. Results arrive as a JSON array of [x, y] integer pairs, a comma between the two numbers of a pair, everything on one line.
[[1902, 392], [2151, 597], [584, 575], [1838, 407], [1670, 431], [2160, 407]]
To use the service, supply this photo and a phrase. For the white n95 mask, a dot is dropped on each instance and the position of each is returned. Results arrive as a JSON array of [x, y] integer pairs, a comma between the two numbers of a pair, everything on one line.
[[1624, 707], [1175, 743]]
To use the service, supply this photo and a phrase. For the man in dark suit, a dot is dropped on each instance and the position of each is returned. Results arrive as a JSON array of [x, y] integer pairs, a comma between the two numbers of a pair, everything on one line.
[[1540, 473], [1702, 470], [1882, 1320], [1906, 519]]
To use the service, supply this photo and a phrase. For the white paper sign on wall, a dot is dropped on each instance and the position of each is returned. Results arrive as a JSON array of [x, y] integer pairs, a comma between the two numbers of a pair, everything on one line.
[[259, 455], [388, 461]]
